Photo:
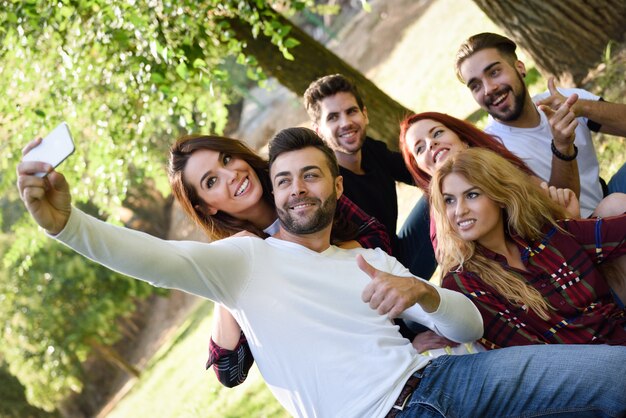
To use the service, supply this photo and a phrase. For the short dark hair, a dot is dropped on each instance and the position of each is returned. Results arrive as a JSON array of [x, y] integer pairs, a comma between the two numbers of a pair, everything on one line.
[[325, 87], [293, 139], [485, 40]]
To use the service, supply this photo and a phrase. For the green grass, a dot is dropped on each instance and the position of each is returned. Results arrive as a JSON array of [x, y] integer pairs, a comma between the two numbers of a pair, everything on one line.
[[175, 383]]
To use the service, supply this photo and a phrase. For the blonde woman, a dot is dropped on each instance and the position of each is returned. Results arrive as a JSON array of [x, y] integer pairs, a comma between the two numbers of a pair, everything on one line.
[[532, 274]]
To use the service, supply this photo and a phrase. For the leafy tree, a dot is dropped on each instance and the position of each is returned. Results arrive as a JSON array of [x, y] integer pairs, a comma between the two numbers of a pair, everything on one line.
[[54, 317], [128, 77], [14, 403]]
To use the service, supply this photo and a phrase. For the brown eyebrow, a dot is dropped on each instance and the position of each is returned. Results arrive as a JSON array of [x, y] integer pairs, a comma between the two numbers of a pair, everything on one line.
[[302, 170], [429, 131], [463, 192], [471, 188], [487, 68], [435, 127]]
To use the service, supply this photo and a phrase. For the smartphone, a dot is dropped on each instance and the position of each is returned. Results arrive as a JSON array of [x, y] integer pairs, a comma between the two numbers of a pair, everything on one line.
[[53, 149]]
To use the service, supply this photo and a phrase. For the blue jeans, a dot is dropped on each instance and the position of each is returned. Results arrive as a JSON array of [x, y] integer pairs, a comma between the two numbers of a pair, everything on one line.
[[529, 381], [415, 250], [618, 181]]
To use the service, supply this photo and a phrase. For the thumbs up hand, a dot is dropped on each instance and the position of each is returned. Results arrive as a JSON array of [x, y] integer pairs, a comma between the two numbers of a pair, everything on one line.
[[391, 295]]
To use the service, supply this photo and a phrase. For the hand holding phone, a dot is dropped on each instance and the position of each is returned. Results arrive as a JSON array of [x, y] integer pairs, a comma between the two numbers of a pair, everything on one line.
[[53, 149]]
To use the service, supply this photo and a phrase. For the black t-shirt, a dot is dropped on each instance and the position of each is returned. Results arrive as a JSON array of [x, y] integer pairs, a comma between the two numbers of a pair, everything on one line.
[[375, 191]]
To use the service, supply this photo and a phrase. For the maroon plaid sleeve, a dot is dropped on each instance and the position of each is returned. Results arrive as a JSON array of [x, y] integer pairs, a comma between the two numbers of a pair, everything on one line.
[[371, 233], [603, 239], [230, 366], [504, 323]]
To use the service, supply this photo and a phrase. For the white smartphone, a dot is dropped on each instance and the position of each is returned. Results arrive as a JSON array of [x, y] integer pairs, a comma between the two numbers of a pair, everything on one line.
[[53, 149]]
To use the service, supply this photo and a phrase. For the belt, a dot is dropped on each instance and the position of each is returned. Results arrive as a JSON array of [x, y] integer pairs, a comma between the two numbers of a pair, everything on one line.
[[405, 394]]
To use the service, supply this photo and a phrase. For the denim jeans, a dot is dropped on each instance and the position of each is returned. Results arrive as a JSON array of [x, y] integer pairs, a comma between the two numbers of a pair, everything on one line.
[[529, 381], [415, 251], [618, 181]]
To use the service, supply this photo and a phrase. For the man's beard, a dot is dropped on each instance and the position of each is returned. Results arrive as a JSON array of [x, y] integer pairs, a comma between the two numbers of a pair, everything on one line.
[[514, 112], [317, 221]]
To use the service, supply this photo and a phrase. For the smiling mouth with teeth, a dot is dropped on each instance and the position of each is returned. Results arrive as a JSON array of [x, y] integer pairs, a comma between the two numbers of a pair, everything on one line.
[[347, 134], [466, 223], [301, 206], [439, 154], [243, 187], [499, 98]]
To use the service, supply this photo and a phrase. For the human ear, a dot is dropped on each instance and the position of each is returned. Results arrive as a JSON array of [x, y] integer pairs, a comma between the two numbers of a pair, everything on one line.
[[339, 186], [521, 68]]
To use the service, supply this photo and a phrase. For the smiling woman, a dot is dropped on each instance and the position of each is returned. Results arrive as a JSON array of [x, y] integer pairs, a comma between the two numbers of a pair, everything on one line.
[[427, 139], [206, 173], [473, 215], [431, 142], [227, 184], [507, 246]]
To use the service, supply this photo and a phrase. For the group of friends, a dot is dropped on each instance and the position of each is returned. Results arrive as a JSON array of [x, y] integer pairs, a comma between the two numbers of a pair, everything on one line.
[[309, 274]]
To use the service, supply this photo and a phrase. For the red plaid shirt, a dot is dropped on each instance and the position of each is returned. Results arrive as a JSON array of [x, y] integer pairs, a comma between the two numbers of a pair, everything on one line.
[[563, 268], [231, 366], [371, 233]]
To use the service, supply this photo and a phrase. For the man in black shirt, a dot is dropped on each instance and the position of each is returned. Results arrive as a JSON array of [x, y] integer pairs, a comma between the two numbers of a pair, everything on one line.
[[369, 169]]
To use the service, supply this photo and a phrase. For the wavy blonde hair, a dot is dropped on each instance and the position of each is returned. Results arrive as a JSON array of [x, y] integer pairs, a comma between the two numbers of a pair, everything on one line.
[[526, 209]]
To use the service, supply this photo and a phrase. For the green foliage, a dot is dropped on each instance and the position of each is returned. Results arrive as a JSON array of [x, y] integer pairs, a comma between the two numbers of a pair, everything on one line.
[[14, 403], [128, 77], [534, 78], [50, 314]]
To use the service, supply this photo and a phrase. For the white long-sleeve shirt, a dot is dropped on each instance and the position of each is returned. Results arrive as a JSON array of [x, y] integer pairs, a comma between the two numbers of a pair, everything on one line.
[[322, 351]]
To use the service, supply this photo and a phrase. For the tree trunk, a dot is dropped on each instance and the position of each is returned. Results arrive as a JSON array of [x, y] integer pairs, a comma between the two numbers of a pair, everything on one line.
[[313, 60], [565, 38], [113, 357]]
